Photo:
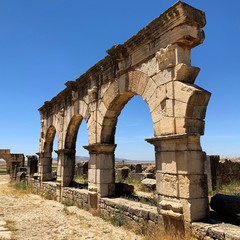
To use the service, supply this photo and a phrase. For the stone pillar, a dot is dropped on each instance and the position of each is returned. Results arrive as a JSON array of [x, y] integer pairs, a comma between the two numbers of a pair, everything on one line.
[[181, 182], [32, 164], [65, 169], [45, 166], [101, 169]]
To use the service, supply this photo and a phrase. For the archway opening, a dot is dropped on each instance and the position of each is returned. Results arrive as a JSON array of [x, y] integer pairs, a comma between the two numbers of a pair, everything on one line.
[[81, 157], [134, 157], [50, 157], [76, 164]]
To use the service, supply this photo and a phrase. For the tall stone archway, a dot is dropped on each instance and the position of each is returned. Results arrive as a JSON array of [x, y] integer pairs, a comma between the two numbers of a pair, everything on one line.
[[156, 65], [45, 156]]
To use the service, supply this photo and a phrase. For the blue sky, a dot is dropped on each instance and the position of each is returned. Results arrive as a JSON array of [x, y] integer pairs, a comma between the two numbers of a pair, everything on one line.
[[45, 43]]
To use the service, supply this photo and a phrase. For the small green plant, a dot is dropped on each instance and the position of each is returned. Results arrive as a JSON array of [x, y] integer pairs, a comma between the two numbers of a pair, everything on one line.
[[118, 218], [48, 195]]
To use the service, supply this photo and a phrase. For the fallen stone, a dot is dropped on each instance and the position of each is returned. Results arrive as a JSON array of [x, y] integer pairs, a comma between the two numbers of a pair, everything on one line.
[[225, 204], [149, 184], [123, 172]]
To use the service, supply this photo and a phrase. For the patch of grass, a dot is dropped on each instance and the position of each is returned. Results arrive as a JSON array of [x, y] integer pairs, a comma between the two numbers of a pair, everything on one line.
[[81, 179], [118, 219], [21, 187], [232, 188], [48, 195]]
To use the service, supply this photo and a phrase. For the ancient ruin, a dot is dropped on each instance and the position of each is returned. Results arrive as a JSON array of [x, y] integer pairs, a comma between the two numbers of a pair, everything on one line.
[[156, 65], [13, 160]]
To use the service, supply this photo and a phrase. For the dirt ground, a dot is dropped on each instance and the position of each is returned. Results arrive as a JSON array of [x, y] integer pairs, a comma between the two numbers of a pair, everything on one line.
[[32, 217]]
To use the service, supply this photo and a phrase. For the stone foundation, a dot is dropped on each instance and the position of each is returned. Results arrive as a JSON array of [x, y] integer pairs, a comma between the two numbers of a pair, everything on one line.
[[131, 211]]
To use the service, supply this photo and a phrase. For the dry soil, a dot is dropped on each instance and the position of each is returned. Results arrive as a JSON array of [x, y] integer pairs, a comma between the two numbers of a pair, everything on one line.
[[30, 216]]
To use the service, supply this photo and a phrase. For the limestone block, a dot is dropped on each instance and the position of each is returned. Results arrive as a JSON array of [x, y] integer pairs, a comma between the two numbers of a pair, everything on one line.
[[139, 54], [172, 55], [167, 184], [188, 35], [105, 161], [134, 78], [103, 88], [165, 126], [163, 76], [196, 112], [105, 175], [185, 73], [105, 189], [190, 162], [157, 97], [166, 162], [122, 83], [180, 109], [149, 90], [109, 95], [92, 161], [180, 127], [102, 109], [192, 186], [150, 67], [92, 175], [142, 84], [195, 126], [195, 209]]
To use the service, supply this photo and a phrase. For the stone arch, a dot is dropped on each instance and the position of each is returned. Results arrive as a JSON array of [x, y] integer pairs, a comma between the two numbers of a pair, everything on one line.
[[49, 138], [133, 83], [45, 157], [72, 131], [66, 156]]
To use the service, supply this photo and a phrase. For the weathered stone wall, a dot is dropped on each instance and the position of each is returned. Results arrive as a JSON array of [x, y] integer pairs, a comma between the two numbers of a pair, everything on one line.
[[215, 231], [129, 210], [221, 171], [12, 160], [228, 171], [76, 197]]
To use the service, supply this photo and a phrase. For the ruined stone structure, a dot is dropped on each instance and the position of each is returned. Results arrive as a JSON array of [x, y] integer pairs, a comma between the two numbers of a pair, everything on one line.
[[156, 65], [13, 161]]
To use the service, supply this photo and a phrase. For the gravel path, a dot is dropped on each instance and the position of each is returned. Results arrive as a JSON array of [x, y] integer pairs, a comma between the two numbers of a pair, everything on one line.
[[31, 217]]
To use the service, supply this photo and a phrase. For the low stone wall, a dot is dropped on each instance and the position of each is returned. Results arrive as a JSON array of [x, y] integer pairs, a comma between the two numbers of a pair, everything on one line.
[[228, 171], [217, 231], [129, 210], [76, 197]]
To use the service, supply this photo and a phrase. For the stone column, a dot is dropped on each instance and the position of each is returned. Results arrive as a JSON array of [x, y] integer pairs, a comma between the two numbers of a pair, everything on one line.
[[45, 166], [32, 164], [101, 169], [181, 182], [65, 166], [65, 169]]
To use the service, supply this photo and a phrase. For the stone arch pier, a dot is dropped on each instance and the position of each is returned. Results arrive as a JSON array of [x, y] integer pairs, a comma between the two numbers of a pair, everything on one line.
[[156, 65]]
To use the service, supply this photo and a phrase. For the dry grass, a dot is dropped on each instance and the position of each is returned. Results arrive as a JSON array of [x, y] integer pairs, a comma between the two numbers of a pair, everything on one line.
[[16, 189], [232, 188]]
